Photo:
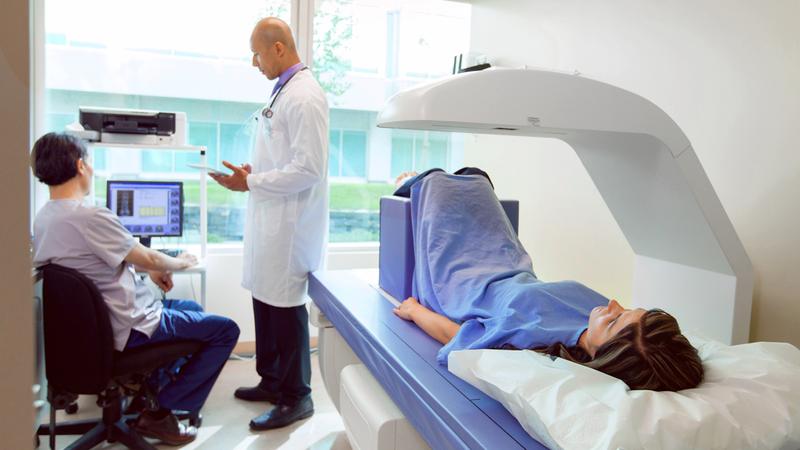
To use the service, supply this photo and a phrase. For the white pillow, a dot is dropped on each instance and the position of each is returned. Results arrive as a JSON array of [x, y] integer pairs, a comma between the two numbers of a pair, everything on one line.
[[750, 398]]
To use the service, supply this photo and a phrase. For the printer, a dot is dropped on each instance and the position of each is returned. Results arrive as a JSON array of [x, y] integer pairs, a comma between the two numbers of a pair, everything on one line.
[[134, 127]]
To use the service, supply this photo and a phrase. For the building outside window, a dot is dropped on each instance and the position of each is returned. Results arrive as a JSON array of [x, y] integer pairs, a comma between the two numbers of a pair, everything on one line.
[[194, 57]]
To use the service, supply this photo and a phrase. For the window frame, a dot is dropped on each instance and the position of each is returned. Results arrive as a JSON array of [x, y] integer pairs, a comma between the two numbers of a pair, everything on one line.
[[340, 157]]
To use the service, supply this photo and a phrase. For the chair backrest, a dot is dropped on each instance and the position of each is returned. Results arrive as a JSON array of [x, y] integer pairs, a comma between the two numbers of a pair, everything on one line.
[[78, 340]]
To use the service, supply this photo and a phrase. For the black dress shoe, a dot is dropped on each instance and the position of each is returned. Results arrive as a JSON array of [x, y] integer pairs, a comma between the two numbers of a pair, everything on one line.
[[257, 394], [283, 415]]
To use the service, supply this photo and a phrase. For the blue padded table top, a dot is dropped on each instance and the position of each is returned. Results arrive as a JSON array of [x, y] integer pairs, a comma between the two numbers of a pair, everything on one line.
[[445, 410]]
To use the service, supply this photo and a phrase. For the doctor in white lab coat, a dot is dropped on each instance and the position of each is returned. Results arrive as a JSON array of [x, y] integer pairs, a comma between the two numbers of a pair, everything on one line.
[[287, 223]]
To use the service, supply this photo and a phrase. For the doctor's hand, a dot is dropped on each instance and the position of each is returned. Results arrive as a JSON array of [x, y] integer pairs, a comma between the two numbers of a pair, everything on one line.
[[237, 181], [162, 279], [407, 308]]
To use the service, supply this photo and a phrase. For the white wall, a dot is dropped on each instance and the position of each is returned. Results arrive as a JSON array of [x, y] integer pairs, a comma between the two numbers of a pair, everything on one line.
[[16, 320], [728, 72]]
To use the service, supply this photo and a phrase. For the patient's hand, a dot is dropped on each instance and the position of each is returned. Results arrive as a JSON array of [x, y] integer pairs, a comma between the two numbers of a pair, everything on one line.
[[162, 279], [436, 325], [187, 259], [406, 308]]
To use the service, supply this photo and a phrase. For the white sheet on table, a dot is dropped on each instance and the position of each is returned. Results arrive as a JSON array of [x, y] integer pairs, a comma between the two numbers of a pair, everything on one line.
[[750, 398]]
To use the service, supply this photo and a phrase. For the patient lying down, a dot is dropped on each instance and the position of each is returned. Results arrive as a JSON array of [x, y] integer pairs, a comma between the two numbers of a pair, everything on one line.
[[477, 289]]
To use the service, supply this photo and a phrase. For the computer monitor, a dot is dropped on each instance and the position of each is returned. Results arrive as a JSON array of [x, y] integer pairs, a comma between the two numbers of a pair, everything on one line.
[[147, 208]]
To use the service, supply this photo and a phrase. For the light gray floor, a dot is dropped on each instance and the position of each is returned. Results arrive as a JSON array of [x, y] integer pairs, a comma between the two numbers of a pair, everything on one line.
[[225, 419]]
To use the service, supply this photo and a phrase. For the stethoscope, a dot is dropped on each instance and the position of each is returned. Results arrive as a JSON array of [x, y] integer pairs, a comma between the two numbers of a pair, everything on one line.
[[267, 112]]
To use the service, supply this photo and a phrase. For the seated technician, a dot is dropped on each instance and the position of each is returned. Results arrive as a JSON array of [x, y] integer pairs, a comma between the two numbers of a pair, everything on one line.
[[477, 289], [92, 241]]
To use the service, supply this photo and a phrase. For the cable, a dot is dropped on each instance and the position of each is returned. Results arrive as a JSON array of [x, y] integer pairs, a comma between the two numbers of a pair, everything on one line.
[[191, 282]]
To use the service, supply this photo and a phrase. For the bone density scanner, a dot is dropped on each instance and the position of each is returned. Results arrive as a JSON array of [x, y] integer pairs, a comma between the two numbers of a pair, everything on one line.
[[689, 260]]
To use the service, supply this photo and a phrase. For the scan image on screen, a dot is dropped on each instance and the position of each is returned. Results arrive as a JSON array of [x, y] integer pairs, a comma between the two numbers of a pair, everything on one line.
[[147, 208], [124, 203]]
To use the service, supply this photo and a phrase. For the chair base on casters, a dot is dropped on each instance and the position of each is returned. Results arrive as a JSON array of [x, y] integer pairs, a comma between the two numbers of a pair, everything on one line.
[[138, 404], [112, 427], [116, 432]]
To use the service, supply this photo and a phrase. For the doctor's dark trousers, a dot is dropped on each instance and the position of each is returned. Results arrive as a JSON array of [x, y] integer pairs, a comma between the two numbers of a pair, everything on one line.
[[283, 356]]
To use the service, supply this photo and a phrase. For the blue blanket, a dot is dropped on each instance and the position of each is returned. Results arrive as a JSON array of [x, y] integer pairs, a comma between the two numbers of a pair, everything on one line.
[[471, 267]]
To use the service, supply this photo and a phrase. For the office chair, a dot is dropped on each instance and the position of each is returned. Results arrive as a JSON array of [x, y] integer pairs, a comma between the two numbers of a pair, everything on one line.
[[80, 359]]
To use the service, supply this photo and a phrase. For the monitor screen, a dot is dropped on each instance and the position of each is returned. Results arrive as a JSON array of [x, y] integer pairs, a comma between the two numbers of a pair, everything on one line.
[[147, 208]]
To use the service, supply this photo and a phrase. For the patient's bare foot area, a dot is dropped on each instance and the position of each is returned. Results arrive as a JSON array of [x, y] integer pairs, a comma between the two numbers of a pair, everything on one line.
[[403, 177]]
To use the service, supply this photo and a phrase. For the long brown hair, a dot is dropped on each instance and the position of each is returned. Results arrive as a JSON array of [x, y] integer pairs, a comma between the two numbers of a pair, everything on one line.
[[649, 354]]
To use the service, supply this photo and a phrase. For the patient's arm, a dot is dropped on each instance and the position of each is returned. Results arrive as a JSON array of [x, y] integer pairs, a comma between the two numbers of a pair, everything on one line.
[[436, 325], [146, 259]]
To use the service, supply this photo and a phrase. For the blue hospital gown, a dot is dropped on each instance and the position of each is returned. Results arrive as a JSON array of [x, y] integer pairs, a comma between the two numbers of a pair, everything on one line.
[[471, 267]]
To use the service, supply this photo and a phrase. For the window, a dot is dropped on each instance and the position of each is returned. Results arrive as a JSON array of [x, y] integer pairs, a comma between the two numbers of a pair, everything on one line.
[[194, 57], [348, 154], [365, 51], [419, 151]]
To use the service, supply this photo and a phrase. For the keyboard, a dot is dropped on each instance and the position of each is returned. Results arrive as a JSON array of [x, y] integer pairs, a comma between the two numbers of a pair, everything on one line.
[[170, 251]]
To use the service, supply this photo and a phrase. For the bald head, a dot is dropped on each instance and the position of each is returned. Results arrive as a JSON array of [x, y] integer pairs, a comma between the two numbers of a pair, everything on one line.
[[271, 30], [273, 47]]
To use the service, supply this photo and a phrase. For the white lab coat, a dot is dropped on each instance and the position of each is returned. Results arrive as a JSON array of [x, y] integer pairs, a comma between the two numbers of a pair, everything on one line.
[[287, 211]]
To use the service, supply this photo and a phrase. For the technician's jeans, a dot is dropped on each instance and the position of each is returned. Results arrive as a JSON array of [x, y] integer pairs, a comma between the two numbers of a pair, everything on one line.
[[283, 357], [185, 319]]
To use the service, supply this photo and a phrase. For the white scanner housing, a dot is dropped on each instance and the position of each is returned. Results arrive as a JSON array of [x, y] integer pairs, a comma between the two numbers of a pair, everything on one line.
[[689, 260]]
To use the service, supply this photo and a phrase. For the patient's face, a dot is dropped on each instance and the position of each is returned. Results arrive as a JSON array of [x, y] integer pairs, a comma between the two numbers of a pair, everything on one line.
[[606, 321]]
